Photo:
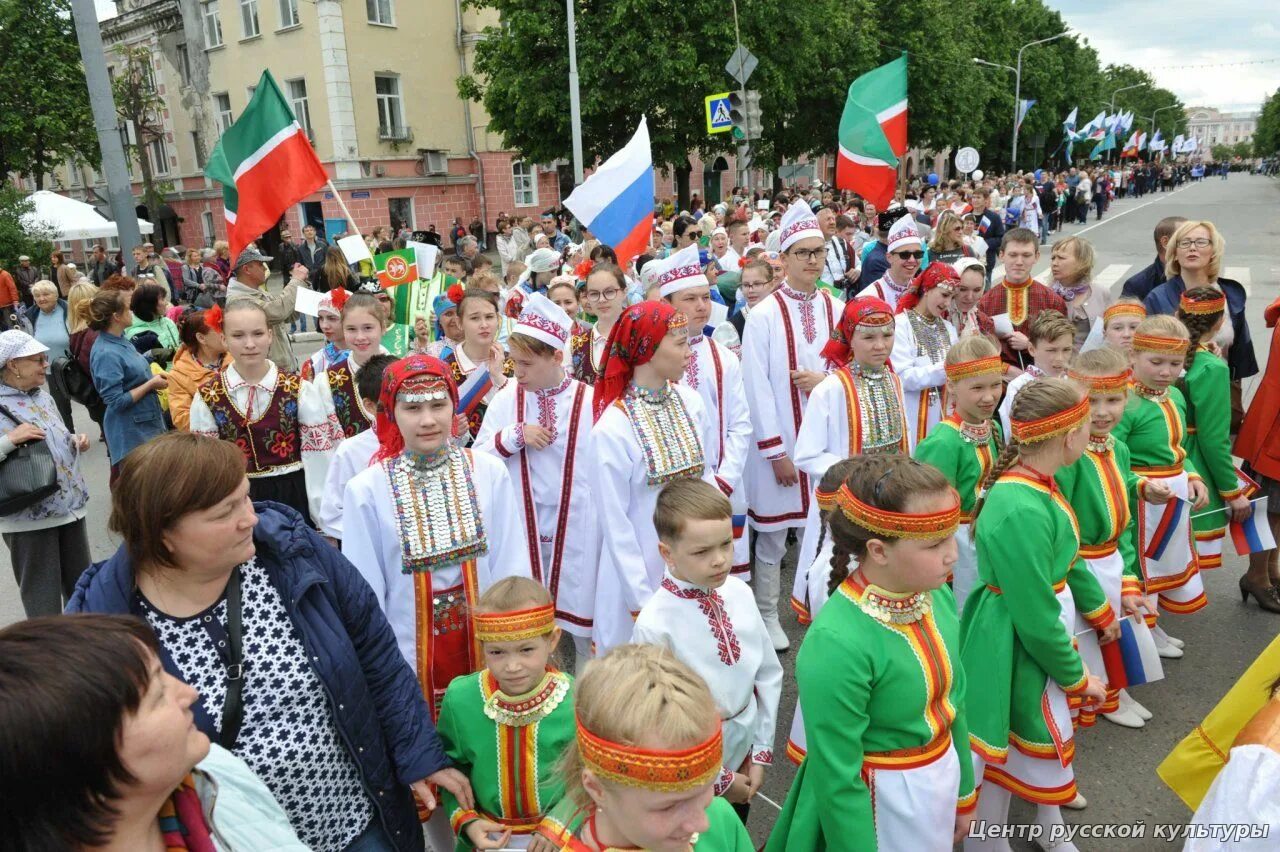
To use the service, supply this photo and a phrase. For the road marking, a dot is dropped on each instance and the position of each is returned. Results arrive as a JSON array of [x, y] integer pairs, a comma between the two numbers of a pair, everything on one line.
[[1241, 274], [1113, 273]]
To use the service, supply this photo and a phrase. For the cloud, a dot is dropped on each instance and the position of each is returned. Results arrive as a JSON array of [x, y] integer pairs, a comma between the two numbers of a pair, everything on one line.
[[1160, 35]]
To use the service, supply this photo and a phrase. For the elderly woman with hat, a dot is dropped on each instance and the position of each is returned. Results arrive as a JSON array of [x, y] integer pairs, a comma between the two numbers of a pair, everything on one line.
[[47, 542]]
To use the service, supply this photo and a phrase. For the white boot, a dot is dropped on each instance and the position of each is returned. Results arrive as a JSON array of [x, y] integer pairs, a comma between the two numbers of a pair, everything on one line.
[[767, 580], [993, 810], [1164, 644], [1131, 703], [1172, 640], [1049, 817]]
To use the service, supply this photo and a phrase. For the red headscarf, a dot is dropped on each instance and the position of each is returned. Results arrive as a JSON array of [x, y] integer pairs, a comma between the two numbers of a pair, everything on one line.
[[937, 273], [410, 370], [635, 337], [867, 310]]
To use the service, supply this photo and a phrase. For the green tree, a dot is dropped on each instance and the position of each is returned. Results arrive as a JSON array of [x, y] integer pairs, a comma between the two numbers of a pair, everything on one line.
[[44, 106], [1145, 100], [1266, 138], [17, 237], [140, 106]]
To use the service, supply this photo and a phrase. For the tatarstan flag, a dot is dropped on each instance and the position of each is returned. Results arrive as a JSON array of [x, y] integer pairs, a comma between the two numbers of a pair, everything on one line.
[[396, 267], [873, 133], [265, 164]]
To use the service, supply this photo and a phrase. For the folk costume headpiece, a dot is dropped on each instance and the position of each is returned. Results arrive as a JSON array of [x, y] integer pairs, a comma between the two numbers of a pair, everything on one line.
[[940, 275], [1050, 426], [633, 341], [661, 770], [418, 378], [904, 234], [868, 311], [991, 365], [798, 223], [544, 320], [514, 626], [681, 271], [1215, 305], [1124, 309], [925, 525], [1160, 344], [1102, 384]]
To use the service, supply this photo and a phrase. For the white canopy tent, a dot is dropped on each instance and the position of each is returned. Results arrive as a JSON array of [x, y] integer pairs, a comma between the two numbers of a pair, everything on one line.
[[71, 219]]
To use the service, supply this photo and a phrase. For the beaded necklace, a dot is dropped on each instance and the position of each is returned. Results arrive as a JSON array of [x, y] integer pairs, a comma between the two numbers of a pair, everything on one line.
[[931, 335], [437, 512], [894, 607], [975, 433], [666, 432], [1101, 443], [517, 711], [880, 408], [1150, 393]]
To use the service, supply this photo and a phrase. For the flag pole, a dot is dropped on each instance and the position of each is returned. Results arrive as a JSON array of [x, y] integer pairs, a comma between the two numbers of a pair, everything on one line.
[[345, 212]]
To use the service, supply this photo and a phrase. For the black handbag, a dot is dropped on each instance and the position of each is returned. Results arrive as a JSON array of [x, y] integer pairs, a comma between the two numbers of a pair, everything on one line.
[[27, 475]]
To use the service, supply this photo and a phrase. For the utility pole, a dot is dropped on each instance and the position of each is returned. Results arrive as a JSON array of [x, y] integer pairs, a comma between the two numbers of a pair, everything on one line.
[[1017, 91], [575, 106], [105, 121]]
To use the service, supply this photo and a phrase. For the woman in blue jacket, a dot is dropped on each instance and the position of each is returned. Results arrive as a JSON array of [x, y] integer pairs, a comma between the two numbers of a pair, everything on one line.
[[122, 377], [298, 672]]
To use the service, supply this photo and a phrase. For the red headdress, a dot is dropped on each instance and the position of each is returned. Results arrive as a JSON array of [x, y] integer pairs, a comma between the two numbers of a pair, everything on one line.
[[582, 270], [213, 318], [635, 337], [419, 374], [339, 296], [938, 274], [867, 310]]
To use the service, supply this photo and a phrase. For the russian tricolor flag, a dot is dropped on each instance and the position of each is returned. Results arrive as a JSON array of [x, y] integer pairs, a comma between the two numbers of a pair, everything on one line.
[[616, 202], [1253, 535], [1132, 660], [1165, 529]]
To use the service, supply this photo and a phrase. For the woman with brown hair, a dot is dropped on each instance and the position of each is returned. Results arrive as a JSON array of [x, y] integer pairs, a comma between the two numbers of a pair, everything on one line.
[[297, 669], [202, 354], [333, 274]]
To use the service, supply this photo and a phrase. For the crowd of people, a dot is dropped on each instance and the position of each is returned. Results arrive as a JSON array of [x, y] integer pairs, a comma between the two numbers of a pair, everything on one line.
[[343, 582]]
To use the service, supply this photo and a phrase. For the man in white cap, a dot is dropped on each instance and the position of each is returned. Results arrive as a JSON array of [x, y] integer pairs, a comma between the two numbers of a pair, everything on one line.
[[782, 364], [905, 251], [249, 281], [540, 426], [716, 374], [544, 264]]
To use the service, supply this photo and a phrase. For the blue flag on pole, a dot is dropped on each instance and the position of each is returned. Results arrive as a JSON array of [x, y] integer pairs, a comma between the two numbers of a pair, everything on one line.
[[1024, 106]]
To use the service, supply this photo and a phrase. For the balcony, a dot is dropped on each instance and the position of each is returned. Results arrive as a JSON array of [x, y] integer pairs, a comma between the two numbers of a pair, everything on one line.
[[395, 133]]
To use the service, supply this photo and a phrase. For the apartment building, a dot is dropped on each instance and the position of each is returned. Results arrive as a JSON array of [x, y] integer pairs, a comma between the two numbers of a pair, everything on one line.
[[1211, 127]]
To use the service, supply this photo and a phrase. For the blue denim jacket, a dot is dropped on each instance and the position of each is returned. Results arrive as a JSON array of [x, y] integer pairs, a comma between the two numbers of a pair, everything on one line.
[[117, 368]]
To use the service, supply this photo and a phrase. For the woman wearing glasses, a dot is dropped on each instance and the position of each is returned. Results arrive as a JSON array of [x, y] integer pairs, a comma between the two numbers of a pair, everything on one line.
[[1194, 259], [605, 296]]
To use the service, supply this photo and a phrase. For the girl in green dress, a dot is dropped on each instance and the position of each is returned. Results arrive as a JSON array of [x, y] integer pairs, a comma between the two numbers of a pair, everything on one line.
[[888, 765], [1017, 628]]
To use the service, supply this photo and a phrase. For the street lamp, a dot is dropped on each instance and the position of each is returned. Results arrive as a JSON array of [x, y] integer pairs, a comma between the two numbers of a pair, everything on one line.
[[995, 65], [1112, 108], [1017, 90]]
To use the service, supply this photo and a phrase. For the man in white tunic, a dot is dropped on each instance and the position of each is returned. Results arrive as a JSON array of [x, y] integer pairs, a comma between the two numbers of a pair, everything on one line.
[[782, 364], [905, 253], [716, 374]]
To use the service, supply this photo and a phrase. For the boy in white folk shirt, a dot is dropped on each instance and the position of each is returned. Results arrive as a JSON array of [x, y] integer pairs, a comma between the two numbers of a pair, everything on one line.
[[540, 426], [709, 620], [782, 363], [716, 374]]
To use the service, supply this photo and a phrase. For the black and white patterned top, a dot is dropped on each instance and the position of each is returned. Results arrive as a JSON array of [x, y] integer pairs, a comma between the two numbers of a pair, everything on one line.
[[288, 737]]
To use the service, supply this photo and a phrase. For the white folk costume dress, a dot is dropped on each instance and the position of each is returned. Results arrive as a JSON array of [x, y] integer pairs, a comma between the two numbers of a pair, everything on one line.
[[280, 423], [641, 442], [720, 635], [352, 456], [920, 346]]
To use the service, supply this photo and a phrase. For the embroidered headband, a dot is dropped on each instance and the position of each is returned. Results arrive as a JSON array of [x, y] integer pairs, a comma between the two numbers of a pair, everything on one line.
[[1123, 309], [826, 499], [515, 625], [1157, 343], [1044, 428], [991, 365], [1216, 305], [898, 524], [652, 769], [1102, 384]]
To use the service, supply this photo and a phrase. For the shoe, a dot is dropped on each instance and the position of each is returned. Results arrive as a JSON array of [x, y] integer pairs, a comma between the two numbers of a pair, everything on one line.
[[1079, 803], [767, 582], [1267, 597], [1158, 633], [1128, 702], [1125, 717], [1168, 650]]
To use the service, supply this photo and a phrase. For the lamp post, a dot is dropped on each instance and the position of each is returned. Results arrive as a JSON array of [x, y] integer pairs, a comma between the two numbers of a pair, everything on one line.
[[575, 107], [1017, 91], [1112, 108]]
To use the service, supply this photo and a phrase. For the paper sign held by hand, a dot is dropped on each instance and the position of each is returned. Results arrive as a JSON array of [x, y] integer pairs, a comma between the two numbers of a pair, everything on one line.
[[427, 256], [354, 249], [1004, 325], [308, 302]]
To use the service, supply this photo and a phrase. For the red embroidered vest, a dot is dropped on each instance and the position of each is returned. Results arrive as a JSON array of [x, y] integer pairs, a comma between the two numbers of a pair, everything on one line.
[[270, 442]]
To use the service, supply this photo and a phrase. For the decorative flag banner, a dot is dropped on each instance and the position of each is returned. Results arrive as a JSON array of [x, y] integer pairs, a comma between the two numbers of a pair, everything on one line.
[[1142, 141], [1095, 129], [1177, 143], [616, 202], [1253, 534], [265, 164], [396, 267], [1166, 529], [1131, 147], [1138, 653], [1070, 123], [873, 133], [1107, 144], [1157, 143], [1024, 107]]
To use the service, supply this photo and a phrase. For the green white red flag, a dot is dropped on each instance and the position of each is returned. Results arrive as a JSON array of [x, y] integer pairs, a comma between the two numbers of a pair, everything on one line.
[[396, 267], [265, 164], [873, 133]]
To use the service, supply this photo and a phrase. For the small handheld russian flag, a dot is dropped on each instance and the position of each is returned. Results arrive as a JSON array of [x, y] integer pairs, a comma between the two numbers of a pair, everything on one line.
[[1137, 653], [1253, 534], [1166, 528]]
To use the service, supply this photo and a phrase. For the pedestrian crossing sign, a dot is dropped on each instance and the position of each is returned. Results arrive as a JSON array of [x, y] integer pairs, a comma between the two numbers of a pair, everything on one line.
[[718, 118]]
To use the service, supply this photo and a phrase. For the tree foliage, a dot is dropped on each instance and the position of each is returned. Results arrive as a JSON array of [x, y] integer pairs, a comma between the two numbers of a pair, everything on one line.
[[44, 105], [139, 105], [15, 239], [1145, 100], [1266, 138]]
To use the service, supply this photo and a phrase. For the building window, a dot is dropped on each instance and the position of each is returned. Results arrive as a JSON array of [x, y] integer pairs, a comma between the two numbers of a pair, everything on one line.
[[401, 212], [524, 179], [159, 154], [212, 24], [390, 117], [197, 145], [184, 64], [380, 12], [288, 13], [222, 104], [249, 18], [73, 173], [113, 243], [248, 93], [206, 223], [298, 98], [66, 247]]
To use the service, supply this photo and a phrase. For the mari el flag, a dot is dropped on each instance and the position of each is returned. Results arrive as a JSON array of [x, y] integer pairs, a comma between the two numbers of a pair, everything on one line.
[[265, 164], [873, 133]]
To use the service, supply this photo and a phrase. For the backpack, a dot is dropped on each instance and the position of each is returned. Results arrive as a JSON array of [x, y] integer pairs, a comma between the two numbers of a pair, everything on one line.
[[75, 382]]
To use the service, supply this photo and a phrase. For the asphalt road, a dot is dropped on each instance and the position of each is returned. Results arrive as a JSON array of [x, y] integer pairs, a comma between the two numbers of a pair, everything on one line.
[[1115, 766]]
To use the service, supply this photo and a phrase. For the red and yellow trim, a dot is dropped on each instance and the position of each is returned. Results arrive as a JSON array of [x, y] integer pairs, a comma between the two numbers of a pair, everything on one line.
[[795, 753], [990, 754], [909, 758], [1161, 344], [665, 771], [1039, 795], [1100, 618], [1215, 305], [1016, 301], [515, 625], [977, 367], [518, 772], [899, 524], [1130, 585], [1114, 495], [1121, 309], [1044, 428], [967, 804], [1102, 384], [1196, 604]]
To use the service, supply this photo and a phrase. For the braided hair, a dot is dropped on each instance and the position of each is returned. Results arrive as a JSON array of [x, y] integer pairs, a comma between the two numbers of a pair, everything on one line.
[[1199, 326]]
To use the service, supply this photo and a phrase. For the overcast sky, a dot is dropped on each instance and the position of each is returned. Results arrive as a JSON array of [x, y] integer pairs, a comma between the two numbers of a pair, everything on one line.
[[1155, 34]]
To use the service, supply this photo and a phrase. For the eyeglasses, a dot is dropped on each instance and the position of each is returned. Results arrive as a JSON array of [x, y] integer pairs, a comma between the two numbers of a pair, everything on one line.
[[909, 255], [603, 295], [1201, 242], [809, 255]]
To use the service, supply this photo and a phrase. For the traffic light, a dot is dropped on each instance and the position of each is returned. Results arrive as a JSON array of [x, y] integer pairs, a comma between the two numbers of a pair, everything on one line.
[[755, 127], [738, 112]]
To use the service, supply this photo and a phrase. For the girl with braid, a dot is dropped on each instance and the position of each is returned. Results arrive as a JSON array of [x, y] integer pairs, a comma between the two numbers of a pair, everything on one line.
[[888, 765], [1016, 633], [1207, 388]]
